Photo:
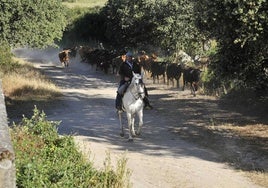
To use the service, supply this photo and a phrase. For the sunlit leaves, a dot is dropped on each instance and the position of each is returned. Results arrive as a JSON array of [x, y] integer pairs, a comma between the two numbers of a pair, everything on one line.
[[167, 24], [241, 29], [34, 23]]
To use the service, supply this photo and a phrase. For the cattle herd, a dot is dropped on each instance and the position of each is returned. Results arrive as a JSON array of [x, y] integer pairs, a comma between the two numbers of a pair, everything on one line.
[[109, 61]]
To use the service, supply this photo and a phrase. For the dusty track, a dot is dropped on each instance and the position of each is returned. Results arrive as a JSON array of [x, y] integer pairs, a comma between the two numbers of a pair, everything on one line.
[[159, 158]]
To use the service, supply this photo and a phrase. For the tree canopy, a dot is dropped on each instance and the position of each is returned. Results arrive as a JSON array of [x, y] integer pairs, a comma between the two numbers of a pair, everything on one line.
[[241, 30], [167, 24], [32, 23], [239, 27]]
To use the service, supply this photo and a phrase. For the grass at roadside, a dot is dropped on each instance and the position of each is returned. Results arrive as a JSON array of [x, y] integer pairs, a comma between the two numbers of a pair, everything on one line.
[[85, 3], [21, 81], [24, 86], [45, 159]]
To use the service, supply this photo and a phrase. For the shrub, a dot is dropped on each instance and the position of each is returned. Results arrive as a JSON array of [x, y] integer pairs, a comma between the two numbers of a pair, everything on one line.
[[45, 159], [5, 54]]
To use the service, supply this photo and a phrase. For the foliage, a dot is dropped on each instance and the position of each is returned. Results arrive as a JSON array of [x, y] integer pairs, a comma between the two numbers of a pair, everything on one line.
[[33, 23], [121, 22], [6, 63], [175, 26], [5, 54], [166, 24], [84, 3], [45, 159], [240, 28], [84, 24]]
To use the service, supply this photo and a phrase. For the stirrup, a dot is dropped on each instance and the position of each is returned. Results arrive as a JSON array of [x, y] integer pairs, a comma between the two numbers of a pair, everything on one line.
[[149, 107], [120, 109]]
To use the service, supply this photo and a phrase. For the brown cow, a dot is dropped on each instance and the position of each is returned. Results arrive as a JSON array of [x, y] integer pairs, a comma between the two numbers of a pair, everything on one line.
[[64, 57], [146, 61]]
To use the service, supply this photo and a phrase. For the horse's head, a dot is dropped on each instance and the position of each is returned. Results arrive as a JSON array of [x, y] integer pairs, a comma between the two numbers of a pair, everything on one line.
[[138, 85]]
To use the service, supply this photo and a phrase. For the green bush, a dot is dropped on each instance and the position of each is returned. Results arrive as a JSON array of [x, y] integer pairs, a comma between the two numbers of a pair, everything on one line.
[[45, 159], [5, 53], [6, 63], [32, 23], [84, 24]]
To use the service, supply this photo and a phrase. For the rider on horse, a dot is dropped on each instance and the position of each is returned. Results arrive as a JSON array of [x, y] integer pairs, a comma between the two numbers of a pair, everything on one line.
[[126, 74]]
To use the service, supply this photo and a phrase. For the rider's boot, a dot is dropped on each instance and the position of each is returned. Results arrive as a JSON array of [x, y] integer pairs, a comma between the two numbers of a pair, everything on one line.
[[118, 102], [147, 103]]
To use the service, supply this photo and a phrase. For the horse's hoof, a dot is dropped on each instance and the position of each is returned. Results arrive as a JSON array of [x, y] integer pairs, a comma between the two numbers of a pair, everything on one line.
[[122, 134], [130, 140]]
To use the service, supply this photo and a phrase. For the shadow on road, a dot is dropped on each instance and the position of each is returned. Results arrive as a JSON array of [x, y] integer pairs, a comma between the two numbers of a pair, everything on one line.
[[87, 109]]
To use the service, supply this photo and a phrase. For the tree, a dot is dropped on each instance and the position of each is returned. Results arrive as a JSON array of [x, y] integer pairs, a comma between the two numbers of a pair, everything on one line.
[[84, 24], [128, 23], [176, 27], [167, 24], [32, 23], [241, 30]]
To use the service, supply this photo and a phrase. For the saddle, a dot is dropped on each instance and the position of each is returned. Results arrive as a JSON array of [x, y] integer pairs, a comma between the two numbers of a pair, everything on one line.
[[123, 88]]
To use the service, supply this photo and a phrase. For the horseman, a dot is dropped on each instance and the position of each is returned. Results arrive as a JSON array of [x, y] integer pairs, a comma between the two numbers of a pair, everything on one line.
[[125, 72]]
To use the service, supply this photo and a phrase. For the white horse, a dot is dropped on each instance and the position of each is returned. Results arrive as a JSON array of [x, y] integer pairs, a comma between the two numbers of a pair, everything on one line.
[[133, 104]]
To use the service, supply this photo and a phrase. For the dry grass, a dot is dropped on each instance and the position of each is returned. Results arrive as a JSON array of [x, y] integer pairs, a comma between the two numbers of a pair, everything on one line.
[[236, 128], [242, 146], [256, 130], [259, 178], [86, 3], [24, 82], [250, 142]]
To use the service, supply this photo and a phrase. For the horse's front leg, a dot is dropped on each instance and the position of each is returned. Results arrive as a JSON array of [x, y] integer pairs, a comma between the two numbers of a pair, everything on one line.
[[121, 125], [130, 127], [140, 115], [133, 132]]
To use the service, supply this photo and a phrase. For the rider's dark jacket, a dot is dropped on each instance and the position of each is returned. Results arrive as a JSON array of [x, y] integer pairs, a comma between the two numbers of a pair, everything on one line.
[[126, 70]]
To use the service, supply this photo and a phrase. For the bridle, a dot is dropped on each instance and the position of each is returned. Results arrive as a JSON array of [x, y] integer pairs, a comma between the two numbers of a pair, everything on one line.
[[140, 92]]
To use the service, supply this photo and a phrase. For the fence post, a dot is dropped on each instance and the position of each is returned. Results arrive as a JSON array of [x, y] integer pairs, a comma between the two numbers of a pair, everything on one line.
[[7, 155]]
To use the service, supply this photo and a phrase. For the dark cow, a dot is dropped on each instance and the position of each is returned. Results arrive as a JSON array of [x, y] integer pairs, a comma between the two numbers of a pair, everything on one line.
[[105, 60], [64, 57], [102, 58], [174, 71], [84, 52], [192, 76], [158, 69]]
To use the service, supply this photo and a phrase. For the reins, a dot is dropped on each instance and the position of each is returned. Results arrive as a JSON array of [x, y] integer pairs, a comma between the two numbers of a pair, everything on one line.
[[137, 95]]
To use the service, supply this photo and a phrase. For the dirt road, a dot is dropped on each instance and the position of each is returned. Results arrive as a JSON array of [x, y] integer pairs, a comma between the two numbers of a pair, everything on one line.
[[159, 157]]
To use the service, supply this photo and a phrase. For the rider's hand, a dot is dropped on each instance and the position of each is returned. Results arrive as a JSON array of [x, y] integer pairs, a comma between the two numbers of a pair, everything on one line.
[[127, 79]]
